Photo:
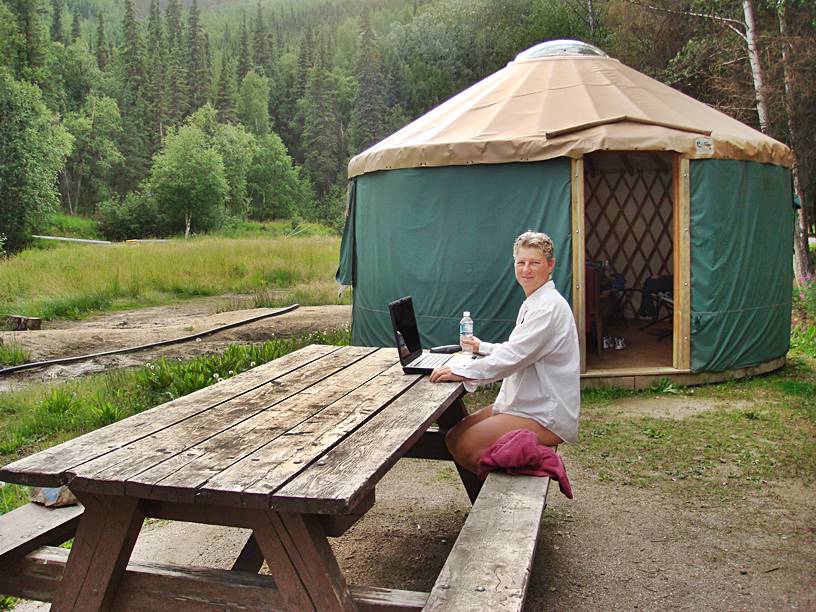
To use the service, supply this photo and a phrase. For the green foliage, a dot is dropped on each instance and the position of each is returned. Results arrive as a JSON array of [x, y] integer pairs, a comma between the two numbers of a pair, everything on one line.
[[33, 150], [188, 181], [253, 103], [275, 187], [74, 76], [13, 353], [369, 113], [87, 172], [134, 216], [321, 129], [226, 94], [71, 226]]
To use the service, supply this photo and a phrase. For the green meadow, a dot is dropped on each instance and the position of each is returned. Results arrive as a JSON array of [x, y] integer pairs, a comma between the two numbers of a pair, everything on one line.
[[72, 280]]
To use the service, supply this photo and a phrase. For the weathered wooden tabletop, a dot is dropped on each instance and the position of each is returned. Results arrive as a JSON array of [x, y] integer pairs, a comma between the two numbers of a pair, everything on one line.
[[292, 450], [311, 432]]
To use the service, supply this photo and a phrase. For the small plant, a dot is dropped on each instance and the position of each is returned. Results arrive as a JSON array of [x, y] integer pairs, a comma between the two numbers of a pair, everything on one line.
[[12, 353], [664, 385]]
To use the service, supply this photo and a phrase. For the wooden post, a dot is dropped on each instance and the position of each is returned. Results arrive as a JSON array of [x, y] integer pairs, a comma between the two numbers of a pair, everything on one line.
[[681, 351], [578, 255]]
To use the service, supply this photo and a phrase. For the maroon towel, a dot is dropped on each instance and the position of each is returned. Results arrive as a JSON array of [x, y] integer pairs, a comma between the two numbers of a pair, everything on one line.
[[519, 452]]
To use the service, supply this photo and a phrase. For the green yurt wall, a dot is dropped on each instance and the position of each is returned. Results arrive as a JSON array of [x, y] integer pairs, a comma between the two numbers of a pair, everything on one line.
[[444, 236], [741, 271]]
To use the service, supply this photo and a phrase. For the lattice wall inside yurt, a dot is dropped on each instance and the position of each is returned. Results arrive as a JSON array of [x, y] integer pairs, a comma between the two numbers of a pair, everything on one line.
[[628, 206]]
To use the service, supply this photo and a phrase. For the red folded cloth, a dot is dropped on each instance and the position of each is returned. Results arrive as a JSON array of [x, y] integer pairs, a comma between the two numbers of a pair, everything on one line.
[[519, 452]]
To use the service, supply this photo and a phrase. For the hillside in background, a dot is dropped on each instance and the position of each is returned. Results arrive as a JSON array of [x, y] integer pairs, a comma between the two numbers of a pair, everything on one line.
[[260, 104]]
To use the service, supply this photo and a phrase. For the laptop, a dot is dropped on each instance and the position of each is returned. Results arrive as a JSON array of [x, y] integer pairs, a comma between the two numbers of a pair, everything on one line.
[[406, 336]]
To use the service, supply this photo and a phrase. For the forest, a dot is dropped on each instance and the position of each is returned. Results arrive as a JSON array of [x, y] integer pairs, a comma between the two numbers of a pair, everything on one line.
[[167, 117]]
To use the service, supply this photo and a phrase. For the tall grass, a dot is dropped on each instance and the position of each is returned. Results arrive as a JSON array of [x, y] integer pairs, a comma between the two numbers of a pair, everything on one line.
[[13, 353], [72, 280]]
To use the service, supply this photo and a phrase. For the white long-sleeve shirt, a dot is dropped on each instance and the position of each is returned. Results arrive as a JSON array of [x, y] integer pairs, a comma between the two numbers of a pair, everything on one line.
[[540, 364]]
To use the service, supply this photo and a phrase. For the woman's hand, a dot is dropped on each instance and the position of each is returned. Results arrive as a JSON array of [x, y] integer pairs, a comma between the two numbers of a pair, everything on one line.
[[470, 342], [443, 373]]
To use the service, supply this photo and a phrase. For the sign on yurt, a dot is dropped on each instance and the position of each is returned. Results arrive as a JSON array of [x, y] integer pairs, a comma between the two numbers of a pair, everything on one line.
[[672, 221]]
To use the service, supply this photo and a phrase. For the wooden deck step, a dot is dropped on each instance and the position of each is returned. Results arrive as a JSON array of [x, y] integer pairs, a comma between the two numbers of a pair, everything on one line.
[[490, 563], [31, 526]]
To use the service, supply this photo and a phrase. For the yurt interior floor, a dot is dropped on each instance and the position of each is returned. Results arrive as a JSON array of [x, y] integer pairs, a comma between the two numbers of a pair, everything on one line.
[[644, 348]]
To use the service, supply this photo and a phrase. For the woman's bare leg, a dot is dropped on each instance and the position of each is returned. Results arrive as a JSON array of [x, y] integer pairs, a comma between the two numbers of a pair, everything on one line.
[[455, 432], [467, 441]]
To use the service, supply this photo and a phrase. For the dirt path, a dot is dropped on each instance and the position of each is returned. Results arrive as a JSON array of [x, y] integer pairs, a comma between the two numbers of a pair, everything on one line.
[[146, 325]]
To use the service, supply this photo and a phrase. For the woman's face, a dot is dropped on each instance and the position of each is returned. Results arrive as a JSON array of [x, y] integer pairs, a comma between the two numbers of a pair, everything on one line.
[[532, 269]]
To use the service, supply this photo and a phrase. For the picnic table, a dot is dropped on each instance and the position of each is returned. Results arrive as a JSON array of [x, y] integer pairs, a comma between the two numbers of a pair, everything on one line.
[[292, 450]]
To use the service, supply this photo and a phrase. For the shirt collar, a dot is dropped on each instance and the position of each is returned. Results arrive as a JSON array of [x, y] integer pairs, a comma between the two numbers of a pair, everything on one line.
[[540, 292]]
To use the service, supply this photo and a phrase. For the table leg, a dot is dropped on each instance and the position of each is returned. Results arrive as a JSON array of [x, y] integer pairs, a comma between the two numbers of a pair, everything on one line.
[[102, 546], [250, 559], [455, 413], [302, 562]]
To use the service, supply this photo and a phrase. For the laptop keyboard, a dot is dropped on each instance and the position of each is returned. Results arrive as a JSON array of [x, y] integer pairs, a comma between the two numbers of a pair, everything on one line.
[[430, 360]]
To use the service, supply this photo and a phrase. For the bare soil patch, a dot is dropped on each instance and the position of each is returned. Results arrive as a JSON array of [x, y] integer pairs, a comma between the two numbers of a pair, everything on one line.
[[669, 407]]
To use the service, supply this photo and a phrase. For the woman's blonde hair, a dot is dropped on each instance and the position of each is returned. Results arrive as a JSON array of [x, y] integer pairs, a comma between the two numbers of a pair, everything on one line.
[[534, 240]]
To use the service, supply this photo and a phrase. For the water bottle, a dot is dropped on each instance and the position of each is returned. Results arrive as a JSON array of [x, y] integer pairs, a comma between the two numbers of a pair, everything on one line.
[[466, 329]]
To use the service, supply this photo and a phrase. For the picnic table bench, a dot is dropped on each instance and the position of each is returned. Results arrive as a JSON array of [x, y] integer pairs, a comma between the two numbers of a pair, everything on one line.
[[292, 450]]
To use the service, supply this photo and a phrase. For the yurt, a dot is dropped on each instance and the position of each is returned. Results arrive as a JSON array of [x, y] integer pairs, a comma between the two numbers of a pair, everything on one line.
[[673, 223]]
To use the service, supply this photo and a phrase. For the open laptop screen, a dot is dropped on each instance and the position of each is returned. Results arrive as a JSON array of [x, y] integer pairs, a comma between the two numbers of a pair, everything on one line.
[[406, 333]]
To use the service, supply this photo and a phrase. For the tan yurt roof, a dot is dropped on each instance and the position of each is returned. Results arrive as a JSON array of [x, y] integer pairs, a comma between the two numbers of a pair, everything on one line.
[[566, 98]]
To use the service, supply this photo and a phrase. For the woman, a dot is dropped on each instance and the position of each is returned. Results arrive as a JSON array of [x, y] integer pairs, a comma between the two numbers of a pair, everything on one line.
[[540, 365]]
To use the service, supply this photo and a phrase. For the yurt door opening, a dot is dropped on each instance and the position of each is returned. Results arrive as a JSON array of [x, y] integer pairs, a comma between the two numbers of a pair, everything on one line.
[[629, 260]]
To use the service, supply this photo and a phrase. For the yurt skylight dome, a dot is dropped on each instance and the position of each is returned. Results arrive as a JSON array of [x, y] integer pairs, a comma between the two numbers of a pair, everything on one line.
[[559, 48]]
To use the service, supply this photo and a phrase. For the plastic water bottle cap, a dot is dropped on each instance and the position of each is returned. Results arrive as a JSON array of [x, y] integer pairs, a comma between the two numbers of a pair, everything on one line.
[[466, 313]]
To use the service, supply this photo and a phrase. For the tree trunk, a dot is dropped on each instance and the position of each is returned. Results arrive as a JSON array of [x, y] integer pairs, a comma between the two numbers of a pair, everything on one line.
[[188, 218], [66, 186], [756, 66], [802, 265]]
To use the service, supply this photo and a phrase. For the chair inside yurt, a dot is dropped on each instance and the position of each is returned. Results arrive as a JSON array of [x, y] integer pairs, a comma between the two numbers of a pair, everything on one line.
[[629, 202]]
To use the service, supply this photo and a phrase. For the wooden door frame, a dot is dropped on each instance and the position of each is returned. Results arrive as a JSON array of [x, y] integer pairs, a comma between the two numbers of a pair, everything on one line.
[[681, 219], [681, 237]]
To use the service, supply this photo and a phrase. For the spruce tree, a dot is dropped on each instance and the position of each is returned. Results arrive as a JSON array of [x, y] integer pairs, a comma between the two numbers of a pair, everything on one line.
[[225, 97], [135, 136], [305, 62], [208, 67], [368, 113], [243, 51], [197, 81], [132, 55], [321, 127], [260, 44], [76, 30], [178, 95], [101, 45], [156, 53], [56, 22], [173, 20], [32, 52]]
